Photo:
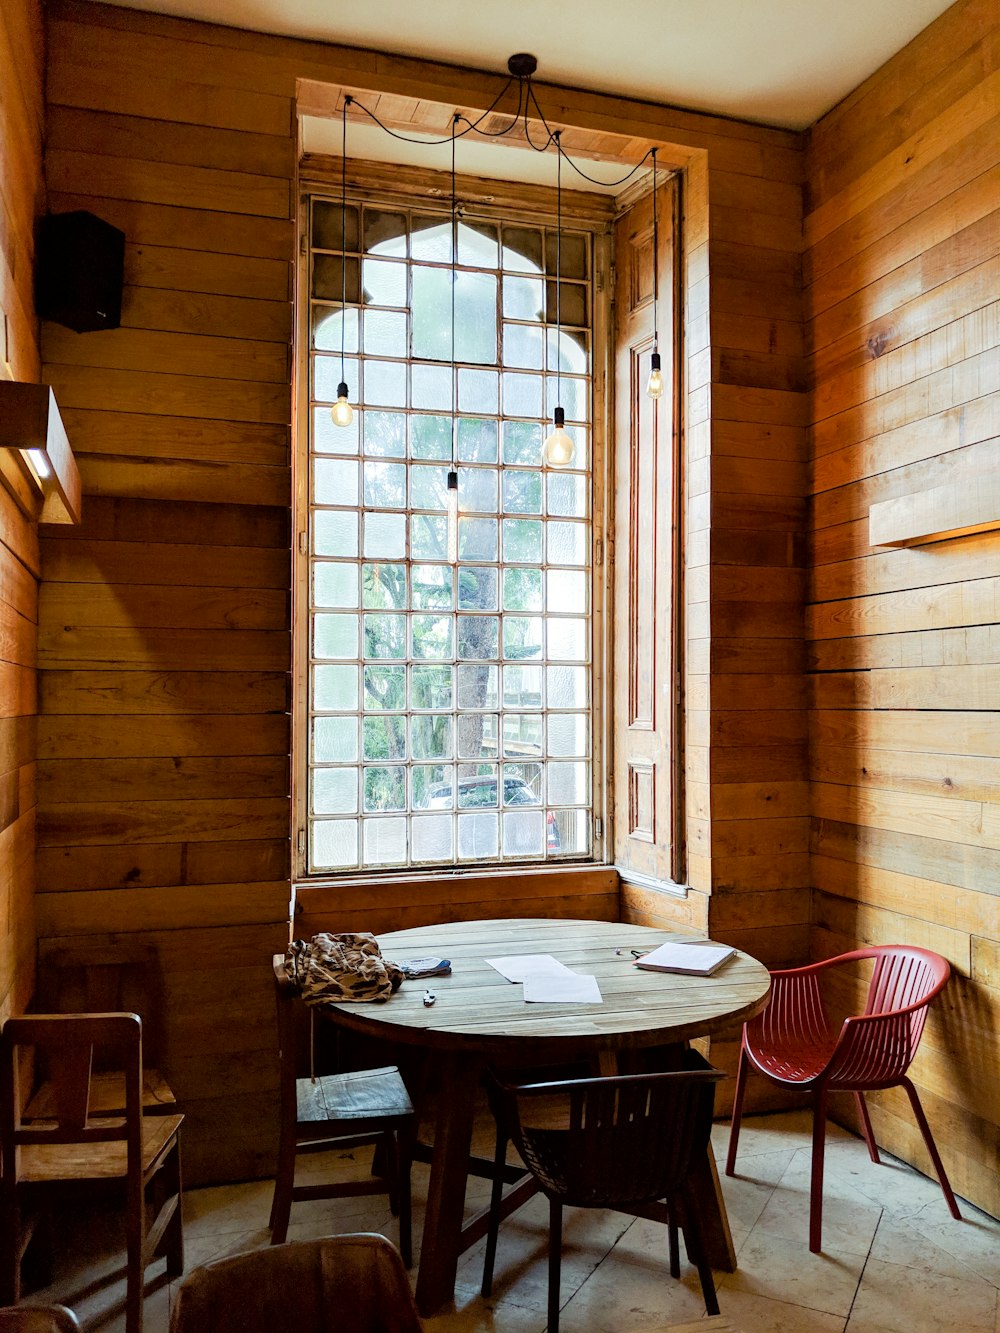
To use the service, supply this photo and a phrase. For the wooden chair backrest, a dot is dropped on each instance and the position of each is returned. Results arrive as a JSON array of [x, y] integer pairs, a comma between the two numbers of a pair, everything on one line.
[[67, 1043], [103, 975]]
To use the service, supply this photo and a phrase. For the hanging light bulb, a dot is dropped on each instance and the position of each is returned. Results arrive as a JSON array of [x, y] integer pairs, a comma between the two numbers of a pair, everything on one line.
[[451, 505], [559, 447], [342, 412], [654, 385]]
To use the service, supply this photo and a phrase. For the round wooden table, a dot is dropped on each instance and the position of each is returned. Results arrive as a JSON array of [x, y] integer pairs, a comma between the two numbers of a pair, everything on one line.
[[479, 1016]]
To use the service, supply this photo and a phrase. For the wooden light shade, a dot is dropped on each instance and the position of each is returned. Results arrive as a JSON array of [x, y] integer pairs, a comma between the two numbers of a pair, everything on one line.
[[31, 424]]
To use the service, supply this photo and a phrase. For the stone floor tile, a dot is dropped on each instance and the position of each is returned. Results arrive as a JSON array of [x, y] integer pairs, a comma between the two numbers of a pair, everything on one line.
[[897, 1299], [784, 1270], [759, 1314]]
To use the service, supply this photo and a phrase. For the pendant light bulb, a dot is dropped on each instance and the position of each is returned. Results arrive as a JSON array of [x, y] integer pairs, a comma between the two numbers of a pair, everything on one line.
[[342, 412], [654, 385], [559, 446], [451, 504]]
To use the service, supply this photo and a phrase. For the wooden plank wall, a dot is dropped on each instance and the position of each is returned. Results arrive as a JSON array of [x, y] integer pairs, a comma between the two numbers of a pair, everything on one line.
[[164, 624], [902, 281], [22, 200]]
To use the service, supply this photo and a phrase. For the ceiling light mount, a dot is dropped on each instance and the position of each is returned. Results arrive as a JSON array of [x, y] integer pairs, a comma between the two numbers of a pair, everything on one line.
[[522, 65]]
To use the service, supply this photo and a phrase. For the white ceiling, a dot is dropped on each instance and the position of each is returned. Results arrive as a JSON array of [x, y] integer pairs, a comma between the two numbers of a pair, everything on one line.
[[781, 62]]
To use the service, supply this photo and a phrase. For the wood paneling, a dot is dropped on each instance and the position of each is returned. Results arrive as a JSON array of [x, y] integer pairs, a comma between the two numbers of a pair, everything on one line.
[[22, 200], [901, 275]]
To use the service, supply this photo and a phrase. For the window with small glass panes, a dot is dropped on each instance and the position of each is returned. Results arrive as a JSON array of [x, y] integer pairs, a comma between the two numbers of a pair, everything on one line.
[[449, 704]]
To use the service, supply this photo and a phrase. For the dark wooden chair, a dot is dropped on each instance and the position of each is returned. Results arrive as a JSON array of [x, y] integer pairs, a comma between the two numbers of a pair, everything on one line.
[[104, 976], [142, 1152], [337, 1111], [630, 1142], [355, 1281], [38, 1319]]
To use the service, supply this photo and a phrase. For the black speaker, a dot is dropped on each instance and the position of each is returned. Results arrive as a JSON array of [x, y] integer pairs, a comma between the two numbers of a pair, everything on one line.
[[80, 270]]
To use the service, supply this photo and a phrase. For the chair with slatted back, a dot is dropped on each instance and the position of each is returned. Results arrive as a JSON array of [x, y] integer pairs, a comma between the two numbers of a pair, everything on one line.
[[38, 1319], [76, 1145], [336, 1111], [629, 1142], [102, 976]]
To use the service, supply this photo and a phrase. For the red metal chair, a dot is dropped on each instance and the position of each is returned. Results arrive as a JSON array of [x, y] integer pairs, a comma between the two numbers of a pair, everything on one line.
[[794, 1043]]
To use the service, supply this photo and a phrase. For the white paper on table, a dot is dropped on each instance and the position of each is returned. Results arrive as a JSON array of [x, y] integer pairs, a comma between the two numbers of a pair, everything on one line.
[[521, 966], [562, 988]]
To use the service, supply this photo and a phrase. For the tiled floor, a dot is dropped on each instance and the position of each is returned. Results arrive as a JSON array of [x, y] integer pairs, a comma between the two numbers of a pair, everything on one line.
[[893, 1260]]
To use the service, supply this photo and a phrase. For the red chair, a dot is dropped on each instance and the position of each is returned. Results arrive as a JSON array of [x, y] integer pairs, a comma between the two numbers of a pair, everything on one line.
[[794, 1043]]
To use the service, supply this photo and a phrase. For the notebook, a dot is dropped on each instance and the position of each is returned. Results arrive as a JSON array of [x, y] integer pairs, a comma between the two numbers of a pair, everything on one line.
[[695, 960]]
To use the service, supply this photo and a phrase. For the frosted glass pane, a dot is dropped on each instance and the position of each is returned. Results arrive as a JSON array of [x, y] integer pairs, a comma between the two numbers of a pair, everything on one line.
[[478, 390], [385, 333], [335, 585], [431, 786], [478, 687], [522, 784], [430, 437], [477, 538], [335, 533], [335, 791], [523, 298], [384, 737], [478, 836], [428, 537], [430, 239], [385, 536], [572, 395], [384, 232], [475, 315], [385, 688], [569, 832], [431, 687], [385, 434], [431, 737], [522, 443], [522, 249], [335, 481], [566, 590], [567, 639], [566, 494], [330, 439], [335, 635], [478, 637], [523, 833], [327, 376], [335, 688], [522, 492], [384, 282], [522, 346], [432, 390], [566, 686], [522, 395], [326, 328], [432, 637], [477, 735], [330, 282], [335, 740], [567, 543], [385, 841], [385, 788], [383, 585], [477, 440], [432, 837], [522, 637], [477, 244], [522, 540], [522, 687], [477, 490], [431, 587], [570, 352], [385, 383], [477, 590], [385, 485], [522, 590], [385, 636], [568, 784], [568, 734], [334, 844], [522, 735]]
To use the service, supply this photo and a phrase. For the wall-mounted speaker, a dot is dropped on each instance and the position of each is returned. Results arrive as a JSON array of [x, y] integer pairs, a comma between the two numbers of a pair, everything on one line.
[[80, 271]]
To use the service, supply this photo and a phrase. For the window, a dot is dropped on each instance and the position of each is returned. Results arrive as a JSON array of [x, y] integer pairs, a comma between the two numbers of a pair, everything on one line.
[[449, 705]]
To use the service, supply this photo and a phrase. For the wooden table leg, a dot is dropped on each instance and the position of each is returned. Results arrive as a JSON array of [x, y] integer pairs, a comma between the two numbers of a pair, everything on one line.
[[459, 1078], [715, 1231]]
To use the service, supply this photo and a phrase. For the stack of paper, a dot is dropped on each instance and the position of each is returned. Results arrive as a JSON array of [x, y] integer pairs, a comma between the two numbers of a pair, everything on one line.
[[545, 979], [695, 960]]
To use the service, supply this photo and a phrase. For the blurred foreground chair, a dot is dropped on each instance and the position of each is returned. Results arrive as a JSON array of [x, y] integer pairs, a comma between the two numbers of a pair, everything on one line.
[[629, 1142], [104, 976], [38, 1319], [76, 1146], [794, 1043], [315, 1286], [337, 1111]]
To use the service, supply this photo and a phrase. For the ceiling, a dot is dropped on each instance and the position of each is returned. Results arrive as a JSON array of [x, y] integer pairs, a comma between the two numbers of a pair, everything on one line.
[[780, 62], [775, 61]]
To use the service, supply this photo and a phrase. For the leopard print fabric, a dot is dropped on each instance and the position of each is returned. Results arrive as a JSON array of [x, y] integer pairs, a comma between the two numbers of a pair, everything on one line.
[[329, 969]]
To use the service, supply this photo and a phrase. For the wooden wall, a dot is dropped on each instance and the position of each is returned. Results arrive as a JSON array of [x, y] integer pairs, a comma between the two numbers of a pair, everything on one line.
[[22, 199], [903, 232]]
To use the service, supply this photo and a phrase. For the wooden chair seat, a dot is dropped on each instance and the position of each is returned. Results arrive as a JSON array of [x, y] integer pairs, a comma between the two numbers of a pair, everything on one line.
[[42, 1163], [372, 1095], [107, 1096]]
